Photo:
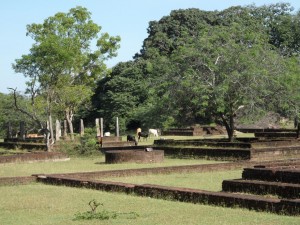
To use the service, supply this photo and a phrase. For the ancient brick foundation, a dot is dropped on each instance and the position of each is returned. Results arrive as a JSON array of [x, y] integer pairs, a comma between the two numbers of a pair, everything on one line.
[[136, 156]]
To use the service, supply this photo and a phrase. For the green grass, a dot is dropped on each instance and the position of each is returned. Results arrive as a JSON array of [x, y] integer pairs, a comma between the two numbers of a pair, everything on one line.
[[85, 164], [211, 181], [45, 204]]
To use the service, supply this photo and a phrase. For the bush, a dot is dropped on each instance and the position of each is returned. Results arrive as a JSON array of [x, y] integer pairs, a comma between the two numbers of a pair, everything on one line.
[[81, 146], [88, 143]]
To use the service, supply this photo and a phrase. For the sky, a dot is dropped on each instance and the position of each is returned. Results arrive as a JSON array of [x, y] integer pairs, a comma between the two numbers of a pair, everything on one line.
[[127, 18]]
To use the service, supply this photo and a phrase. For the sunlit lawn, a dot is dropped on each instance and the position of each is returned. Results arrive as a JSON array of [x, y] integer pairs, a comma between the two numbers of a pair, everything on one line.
[[95, 163], [85, 164], [37, 204], [46, 204], [211, 181]]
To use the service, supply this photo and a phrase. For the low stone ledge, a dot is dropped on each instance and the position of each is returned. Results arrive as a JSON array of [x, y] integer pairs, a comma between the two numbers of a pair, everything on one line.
[[213, 153], [282, 190], [34, 157], [23, 145], [201, 142], [17, 180], [272, 174], [87, 183], [136, 156]]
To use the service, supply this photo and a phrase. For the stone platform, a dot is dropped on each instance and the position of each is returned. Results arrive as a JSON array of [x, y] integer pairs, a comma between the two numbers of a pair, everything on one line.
[[134, 156]]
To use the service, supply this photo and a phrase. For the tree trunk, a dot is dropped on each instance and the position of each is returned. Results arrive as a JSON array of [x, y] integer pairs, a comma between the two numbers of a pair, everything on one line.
[[229, 125], [32, 116]]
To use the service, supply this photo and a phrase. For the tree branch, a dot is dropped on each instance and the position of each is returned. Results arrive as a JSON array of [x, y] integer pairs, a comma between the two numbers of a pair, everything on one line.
[[34, 118]]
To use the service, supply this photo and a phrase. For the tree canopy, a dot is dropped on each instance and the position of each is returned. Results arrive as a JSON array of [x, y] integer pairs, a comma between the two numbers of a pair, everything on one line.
[[66, 60], [202, 66], [195, 67]]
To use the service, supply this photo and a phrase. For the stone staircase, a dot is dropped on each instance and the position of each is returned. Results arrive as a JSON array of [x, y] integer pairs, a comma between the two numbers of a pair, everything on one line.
[[281, 184]]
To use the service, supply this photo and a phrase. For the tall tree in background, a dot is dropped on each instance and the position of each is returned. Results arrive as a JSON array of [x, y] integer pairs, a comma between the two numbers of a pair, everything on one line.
[[62, 65], [218, 69], [202, 66], [119, 94]]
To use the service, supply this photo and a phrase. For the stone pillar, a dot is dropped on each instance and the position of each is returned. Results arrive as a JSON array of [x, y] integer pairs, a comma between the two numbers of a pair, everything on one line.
[[57, 130], [117, 127], [98, 128], [22, 131], [50, 128], [65, 129], [81, 128], [101, 126], [47, 136], [9, 131]]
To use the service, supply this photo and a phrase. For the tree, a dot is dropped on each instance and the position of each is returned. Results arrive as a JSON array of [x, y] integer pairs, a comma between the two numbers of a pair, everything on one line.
[[62, 65], [202, 67], [120, 93], [218, 69], [8, 113]]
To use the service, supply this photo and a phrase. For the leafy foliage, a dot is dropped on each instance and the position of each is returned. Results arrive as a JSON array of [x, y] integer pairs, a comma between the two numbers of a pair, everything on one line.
[[61, 65], [195, 67], [201, 67]]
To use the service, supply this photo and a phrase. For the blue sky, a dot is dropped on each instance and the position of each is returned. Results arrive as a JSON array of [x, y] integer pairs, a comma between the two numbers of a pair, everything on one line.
[[127, 18]]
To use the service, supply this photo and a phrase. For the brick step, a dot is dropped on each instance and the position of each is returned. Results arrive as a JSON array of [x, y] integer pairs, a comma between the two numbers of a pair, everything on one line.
[[23, 145], [272, 174], [201, 152], [282, 152], [202, 143], [27, 139], [266, 130], [125, 148], [282, 190], [118, 144], [276, 134], [34, 157]]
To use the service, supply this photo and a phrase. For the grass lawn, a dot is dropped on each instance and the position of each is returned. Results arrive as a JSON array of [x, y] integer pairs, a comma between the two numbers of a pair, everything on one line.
[[211, 181], [46, 204], [85, 164]]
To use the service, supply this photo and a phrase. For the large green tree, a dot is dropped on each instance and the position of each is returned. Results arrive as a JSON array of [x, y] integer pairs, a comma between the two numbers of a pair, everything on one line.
[[66, 60], [120, 93], [204, 66], [222, 68]]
